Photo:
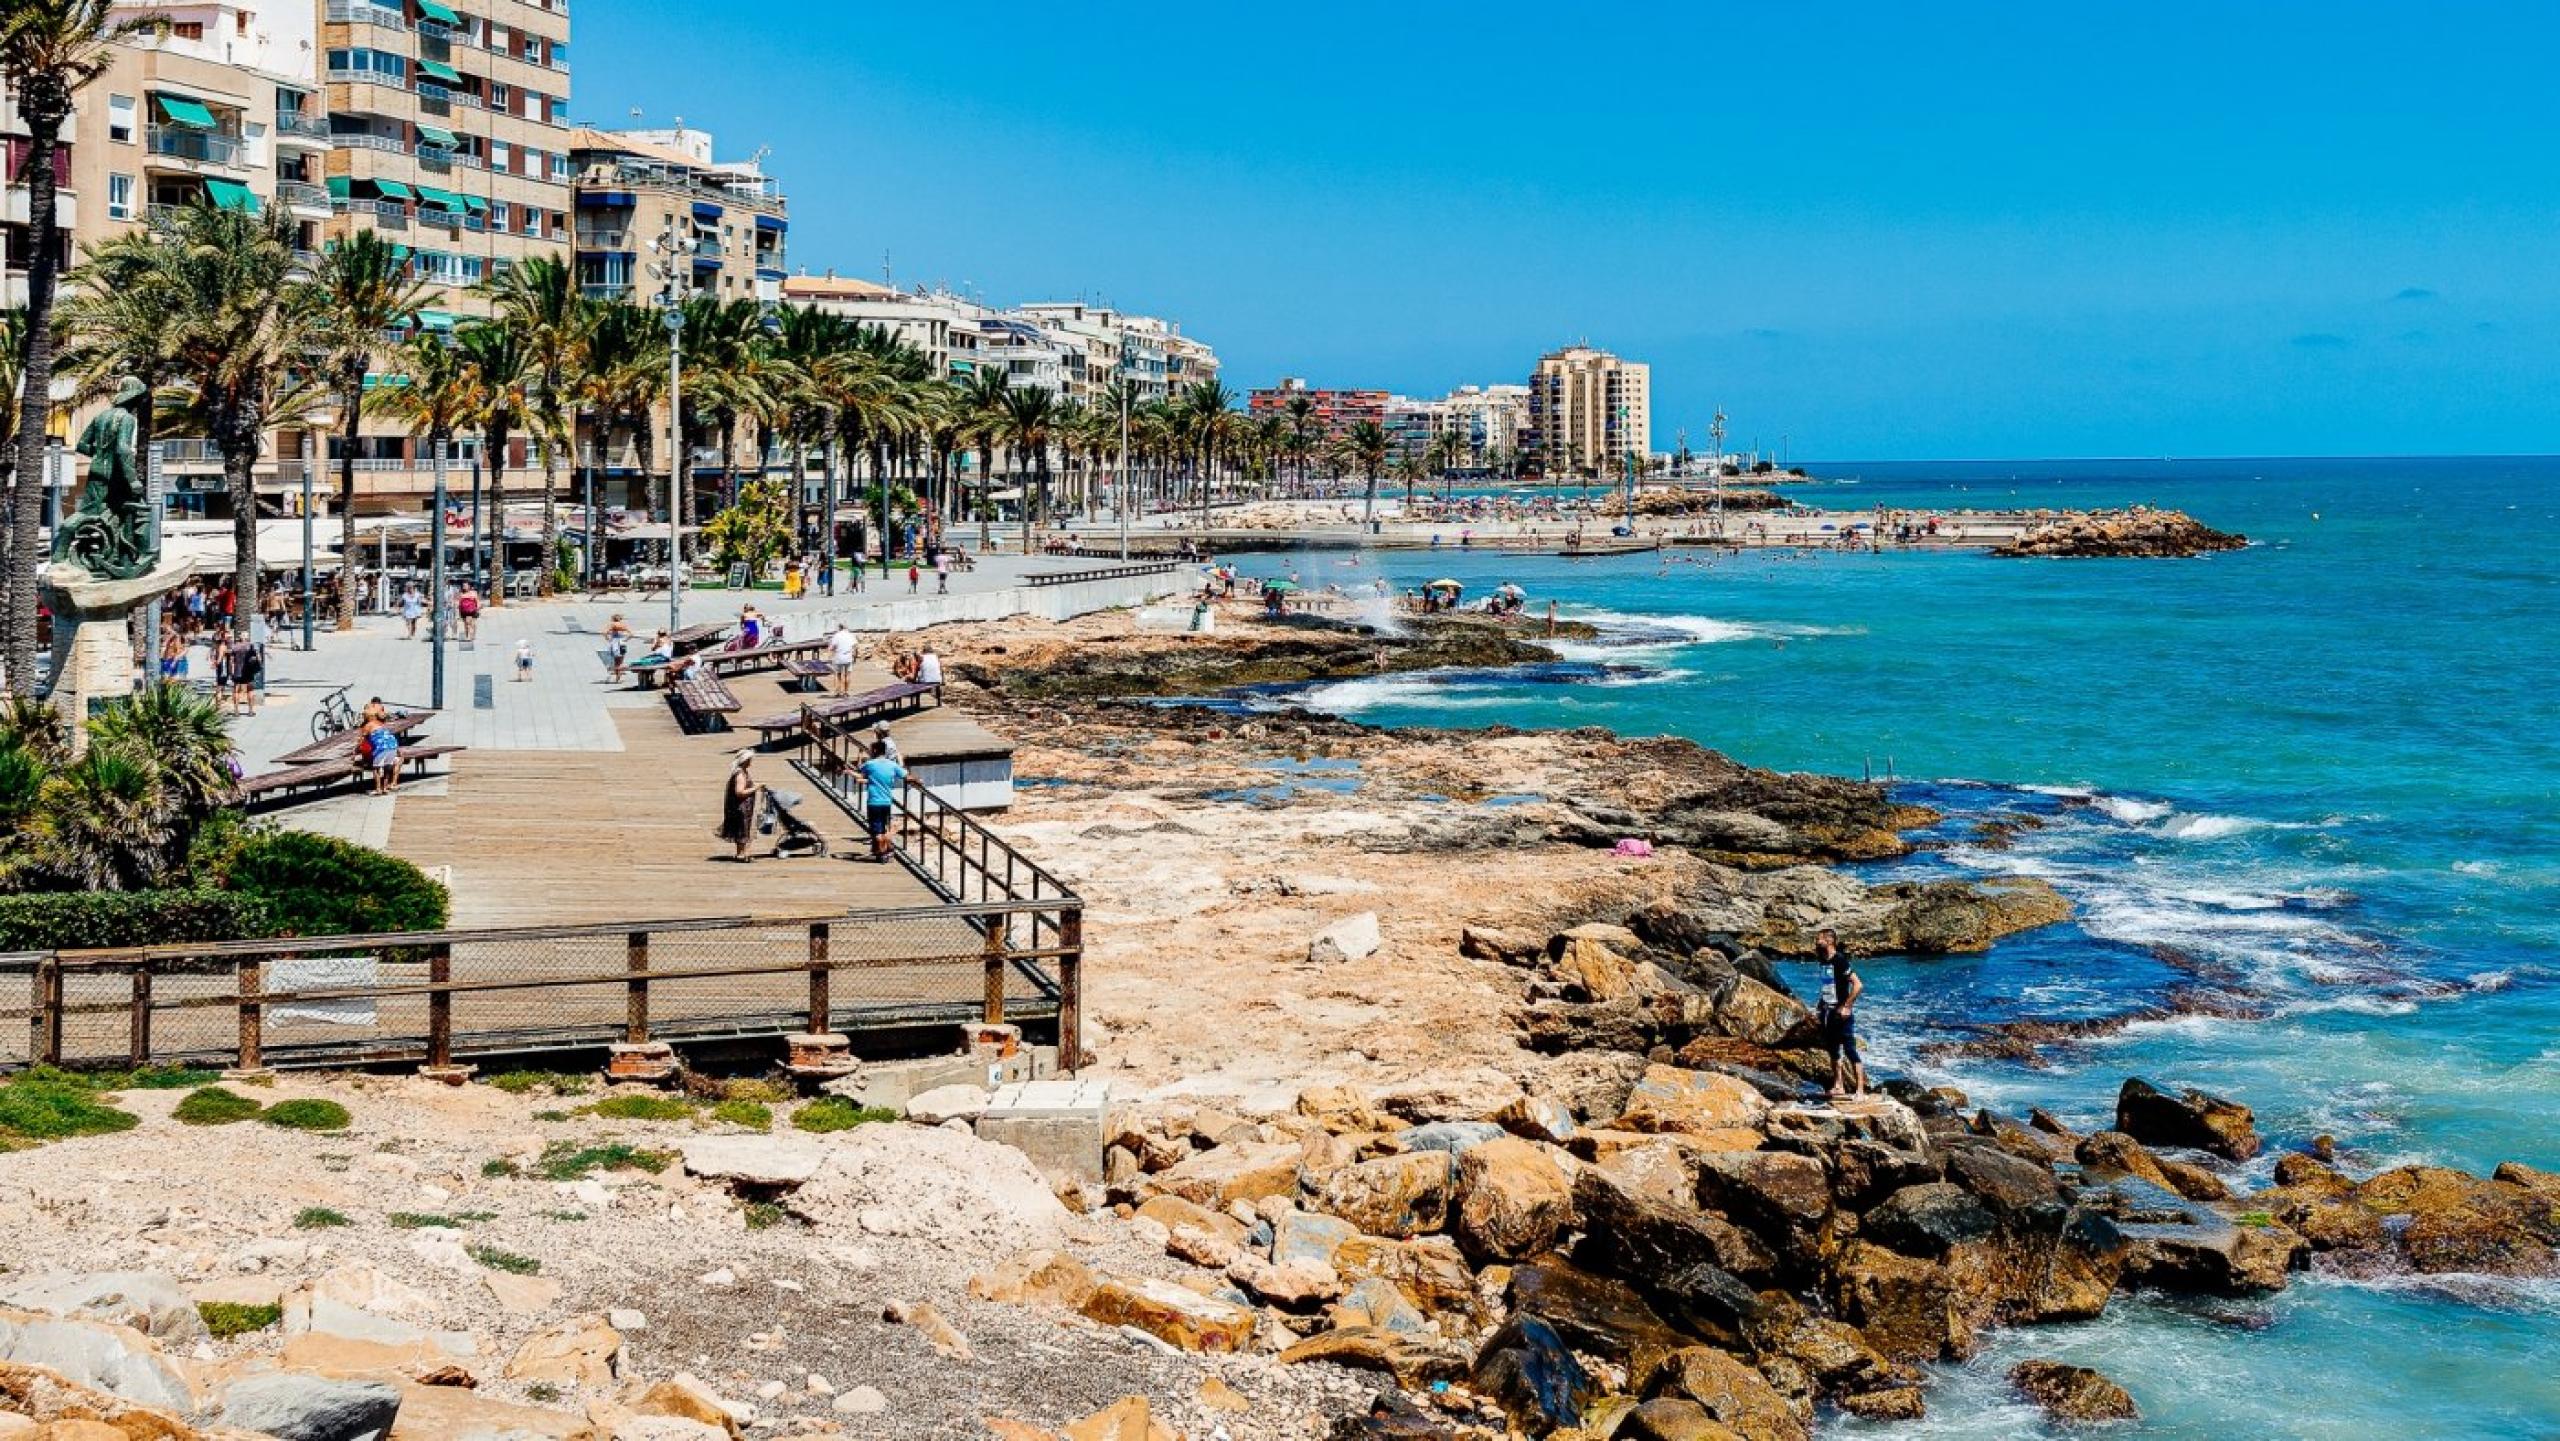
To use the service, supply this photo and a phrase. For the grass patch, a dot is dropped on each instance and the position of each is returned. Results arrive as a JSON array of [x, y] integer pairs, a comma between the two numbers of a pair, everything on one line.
[[226, 1319], [499, 1166], [49, 1105], [754, 1115], [507, 1261], [751, 1090], [543, 1392], [214, 1106], [568, 1161], [2256, 1218], [762, 1215], [564, 1215], [144, 1078], [551, 1115], [420, 1220], [311, 1115], [643, 1108], [319, 1218], [835, 1113], [554, 1083]]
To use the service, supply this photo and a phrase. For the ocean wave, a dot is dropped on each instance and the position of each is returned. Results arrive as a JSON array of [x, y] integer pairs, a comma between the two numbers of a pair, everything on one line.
[[2130, 811], [2183, 826]]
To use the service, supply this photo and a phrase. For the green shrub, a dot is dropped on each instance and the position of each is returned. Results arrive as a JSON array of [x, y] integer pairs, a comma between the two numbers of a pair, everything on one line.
[[214, 1106], [763, 1214], [78, 920], [318, 885], [643, 1108], [226, 1319], [307, 1116], [835, 1113], [40, 1106], [319, 1218], [422, 1220], [499, 1167], [767, 1091], [568, 1161], [507, 1261], [525, 1083], [754, 1115]]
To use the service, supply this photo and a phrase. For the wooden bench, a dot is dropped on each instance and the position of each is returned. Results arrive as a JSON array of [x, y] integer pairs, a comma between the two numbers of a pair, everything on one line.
[[844, 712], [702, 701], [306, 780], [808, 671], [762, 657], [348, 742], [691, 639]]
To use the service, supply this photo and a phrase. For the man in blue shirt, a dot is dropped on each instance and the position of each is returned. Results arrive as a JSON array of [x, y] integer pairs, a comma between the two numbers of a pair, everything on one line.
[[880, 777]]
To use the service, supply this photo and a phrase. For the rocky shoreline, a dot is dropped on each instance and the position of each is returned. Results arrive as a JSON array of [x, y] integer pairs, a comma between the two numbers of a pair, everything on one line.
[[2136, 532]]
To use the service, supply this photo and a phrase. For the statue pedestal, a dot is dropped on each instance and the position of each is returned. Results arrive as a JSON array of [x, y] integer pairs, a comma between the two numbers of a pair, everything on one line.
[[92, 637]]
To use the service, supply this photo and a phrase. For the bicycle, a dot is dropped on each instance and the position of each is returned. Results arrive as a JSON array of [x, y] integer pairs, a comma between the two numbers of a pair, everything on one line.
[[334, 717]]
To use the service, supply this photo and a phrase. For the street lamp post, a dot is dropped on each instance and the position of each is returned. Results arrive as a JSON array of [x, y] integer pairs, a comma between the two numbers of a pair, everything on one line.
[[1120, 492], [306, 559], [677, 500], [435, 584]]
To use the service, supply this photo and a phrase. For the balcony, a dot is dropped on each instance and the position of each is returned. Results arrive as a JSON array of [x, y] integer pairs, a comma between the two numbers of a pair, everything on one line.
[[302, 127], [596, 290], [302, 193], [605, 240], [384, 214], [205, 147], [360, 140], [358, 12]]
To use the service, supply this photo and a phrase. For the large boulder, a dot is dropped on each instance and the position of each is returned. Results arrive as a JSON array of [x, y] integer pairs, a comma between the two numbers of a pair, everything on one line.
[[1173, 1314], [1415, 1361], [1780, 1196], [1908, 1308], [1036, 1277], [1528, 1369], [148, 1302], [2175, 1244], [1630, 1233], [2002, 1181], [1427, 1271], [1929, 1220], [2190, 1118], [1221, 1177], [115, 1359], [2072, 1395], [581, 1351], [295, 1407], [1669, 1099], [1512, 1200], [2446, 1221], [753, 1163], [1396, 1196], [1349, 939], [1731, 1393], [1594, 1314]]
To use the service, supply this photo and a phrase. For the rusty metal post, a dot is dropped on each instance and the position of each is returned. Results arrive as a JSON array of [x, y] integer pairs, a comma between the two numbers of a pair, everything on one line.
[[636, 989], [138, 1048], [821, 1000], [1071, 1055], [440, 1005], [253, 1015], [995, 957], [49, 1011]]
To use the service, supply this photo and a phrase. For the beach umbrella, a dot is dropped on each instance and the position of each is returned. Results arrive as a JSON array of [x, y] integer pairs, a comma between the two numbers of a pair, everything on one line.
[[1444, 584], [1283, 585]]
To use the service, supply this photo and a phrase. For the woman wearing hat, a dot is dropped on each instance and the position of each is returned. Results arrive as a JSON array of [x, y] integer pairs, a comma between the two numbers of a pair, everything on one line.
[[738, 805]]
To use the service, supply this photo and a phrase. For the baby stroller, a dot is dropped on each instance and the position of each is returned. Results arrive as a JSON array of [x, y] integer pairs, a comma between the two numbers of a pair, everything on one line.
[[799, 838]]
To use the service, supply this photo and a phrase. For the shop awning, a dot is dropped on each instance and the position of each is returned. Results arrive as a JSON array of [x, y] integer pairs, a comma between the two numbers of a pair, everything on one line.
[[231, 195], [435, 320], [178, 110], [434, 11], [441, 199], [438, 135], [438, 70], [394, 190]]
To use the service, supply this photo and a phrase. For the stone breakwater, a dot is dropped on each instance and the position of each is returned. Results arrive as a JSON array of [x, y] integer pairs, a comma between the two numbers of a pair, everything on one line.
[[2137, 532]]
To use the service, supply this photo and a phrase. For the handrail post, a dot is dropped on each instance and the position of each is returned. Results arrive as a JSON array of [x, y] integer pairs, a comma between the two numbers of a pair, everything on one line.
[[440, 1006], [48, 1023], [1071, 988], [995, 958], [139, 1047], [636, 989], [253, 1015], [821, 1001]]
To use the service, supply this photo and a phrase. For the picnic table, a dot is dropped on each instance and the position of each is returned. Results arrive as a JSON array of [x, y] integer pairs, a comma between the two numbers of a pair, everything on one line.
[[685, 642], [703, 701], [307, 770], [347, 743], [849, 712]]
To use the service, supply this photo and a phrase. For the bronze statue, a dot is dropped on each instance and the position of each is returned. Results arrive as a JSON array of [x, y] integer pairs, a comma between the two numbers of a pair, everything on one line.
[[109, 533]]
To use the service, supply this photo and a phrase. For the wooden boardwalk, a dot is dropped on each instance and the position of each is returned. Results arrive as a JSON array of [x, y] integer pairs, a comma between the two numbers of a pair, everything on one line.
[[559, 837]]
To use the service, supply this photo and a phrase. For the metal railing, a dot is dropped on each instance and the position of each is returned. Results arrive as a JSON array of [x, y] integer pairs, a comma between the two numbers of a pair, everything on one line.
[[387, 214], [301, 192], [968, 865], [314, 127], [358, 12], [365, 140], [187, 143], [1078, 577], [438, 996]]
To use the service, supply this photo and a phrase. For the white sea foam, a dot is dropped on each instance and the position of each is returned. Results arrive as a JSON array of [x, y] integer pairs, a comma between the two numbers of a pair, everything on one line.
[[2133, 812]]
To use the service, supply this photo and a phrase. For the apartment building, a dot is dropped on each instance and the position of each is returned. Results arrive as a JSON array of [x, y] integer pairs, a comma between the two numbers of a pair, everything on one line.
[[449, 137], [1588, 411], [647, 198], [1142, 351], [1411, 425], [1335, 412], [1485, 420], [946, 327], [1188, 362]]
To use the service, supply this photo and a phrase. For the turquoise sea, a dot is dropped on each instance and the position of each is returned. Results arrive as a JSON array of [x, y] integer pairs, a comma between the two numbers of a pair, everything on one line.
[[2318, 779]]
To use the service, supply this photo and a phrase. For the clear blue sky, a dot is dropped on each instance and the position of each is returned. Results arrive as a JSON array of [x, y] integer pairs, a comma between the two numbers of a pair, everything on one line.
[[1881, 230]]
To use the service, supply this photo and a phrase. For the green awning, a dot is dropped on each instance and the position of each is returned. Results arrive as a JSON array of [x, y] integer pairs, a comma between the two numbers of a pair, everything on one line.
[[434, 11], [435, 320], [478, 205], [394, 190], [340, 186], [438, 135], [438, 70], [232, 195], [180, 111], [440, 199]]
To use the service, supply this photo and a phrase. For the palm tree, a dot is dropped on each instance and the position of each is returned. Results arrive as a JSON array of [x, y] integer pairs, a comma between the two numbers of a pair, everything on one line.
[[984, 403], [804, 348], [1031, 421], [1364, 446], [246, 330], [365, 291], [540, 301], [183, 735], [500, 369], [13, 327], [620, 378], [1300, 413], [49, 51], [436, 396], [1208, 410]]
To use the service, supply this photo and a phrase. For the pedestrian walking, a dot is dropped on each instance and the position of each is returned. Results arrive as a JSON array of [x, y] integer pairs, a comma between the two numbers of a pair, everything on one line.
[[524, 659], [880, 777], [245, 674], [617, 645], [738, 806], [382, 750], [915, 577], [840, 652], [1838, 1015], [413, 607], [468, 607]]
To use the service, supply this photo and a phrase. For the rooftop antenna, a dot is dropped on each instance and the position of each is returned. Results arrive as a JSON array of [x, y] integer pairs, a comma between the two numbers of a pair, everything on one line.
[[884, 268]]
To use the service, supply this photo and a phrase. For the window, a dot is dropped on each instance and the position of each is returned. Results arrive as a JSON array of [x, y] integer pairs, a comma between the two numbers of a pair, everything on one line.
[[497, 215], [499, 99], [501, 156], [187, 29], [120, 118], [560, 166], [119, 197], [241, 25]]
